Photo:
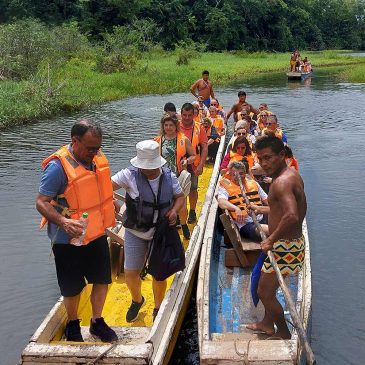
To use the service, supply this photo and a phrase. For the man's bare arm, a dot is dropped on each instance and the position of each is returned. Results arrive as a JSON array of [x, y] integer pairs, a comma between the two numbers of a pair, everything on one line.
[[193, 88], [233, 110]]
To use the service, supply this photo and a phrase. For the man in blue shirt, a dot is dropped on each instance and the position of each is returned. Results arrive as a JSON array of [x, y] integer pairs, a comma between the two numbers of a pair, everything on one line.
[[81, 158]]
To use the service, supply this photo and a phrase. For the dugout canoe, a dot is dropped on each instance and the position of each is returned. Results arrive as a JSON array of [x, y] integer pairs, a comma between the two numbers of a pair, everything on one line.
[[224, 303], [298, 75], [140, 342]]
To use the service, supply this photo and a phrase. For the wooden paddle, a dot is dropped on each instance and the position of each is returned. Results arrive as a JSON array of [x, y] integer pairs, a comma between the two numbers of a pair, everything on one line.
[[288, 299]]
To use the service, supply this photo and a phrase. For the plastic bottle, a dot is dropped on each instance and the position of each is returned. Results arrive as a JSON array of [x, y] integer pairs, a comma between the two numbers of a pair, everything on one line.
[[79, 241]]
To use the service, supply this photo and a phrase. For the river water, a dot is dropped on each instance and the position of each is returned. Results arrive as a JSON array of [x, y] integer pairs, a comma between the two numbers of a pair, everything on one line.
[[323, 120]]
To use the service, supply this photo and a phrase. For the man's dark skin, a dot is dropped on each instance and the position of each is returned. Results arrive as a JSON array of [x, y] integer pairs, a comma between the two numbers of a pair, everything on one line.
[[287, 209], [238, 106]]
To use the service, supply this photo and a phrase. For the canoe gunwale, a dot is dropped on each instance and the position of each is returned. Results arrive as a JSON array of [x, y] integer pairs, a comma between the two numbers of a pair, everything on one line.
[[223, 351]]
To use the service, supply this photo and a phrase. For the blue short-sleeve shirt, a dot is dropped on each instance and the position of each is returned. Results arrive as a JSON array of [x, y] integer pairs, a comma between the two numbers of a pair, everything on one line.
[[53, 183]]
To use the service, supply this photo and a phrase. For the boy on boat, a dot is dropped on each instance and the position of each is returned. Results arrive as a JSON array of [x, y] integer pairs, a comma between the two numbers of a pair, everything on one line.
[[239, 105], [204, 88], [71, 176], [287, 209]]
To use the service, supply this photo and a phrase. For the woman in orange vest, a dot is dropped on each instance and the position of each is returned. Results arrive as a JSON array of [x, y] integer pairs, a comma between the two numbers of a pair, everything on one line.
[[240, 151], [178, 151]]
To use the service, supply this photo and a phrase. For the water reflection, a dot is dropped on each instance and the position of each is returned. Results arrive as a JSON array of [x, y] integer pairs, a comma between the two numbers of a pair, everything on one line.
[[323, 122]]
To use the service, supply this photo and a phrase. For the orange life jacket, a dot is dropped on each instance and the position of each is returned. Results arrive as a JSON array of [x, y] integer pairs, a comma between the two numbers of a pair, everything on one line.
[[86, 191], [278, 132], [180, 152], [292, 162], [234, 156], [195, 142], [235, 195], [197, 118], [217, 123]]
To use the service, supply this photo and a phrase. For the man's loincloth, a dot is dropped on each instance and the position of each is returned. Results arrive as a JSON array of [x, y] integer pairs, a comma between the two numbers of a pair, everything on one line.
[[289, 255]]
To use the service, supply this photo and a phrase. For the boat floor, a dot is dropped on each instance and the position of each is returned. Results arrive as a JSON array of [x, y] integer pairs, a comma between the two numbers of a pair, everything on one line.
[[231, 306], [118, 299]]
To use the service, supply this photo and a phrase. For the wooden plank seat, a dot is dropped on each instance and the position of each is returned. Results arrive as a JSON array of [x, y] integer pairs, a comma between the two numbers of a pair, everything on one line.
[[244, 252]]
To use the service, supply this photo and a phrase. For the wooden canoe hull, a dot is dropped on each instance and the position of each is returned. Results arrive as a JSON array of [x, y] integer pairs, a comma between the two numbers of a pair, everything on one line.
[[223, 338], [137, 345], [298, 75]]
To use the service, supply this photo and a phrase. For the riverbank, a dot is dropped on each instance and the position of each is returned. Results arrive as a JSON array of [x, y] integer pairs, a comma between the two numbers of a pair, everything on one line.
[[76, 85]]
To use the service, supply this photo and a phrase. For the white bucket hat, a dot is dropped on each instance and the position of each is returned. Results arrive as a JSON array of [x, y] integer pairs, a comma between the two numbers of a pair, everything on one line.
[[148, 155]]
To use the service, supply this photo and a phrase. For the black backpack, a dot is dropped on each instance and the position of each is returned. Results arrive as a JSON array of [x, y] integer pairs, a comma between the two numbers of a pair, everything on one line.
[[166, 254]]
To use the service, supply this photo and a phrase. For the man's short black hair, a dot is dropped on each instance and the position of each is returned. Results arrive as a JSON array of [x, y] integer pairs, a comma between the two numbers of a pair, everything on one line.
[[82, 126], [240, 93], [169, 107], [205, 72], [275, 143], [187, 107]]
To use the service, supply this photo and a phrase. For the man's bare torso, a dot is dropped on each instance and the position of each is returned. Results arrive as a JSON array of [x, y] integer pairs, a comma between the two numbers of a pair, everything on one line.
[[293, 185]]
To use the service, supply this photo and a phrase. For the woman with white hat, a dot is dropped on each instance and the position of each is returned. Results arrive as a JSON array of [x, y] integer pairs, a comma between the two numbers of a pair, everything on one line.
[[152, 191], [177, 150]]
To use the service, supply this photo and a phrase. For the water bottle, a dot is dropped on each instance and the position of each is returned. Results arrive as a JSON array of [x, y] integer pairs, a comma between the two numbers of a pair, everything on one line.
[[79, 241]]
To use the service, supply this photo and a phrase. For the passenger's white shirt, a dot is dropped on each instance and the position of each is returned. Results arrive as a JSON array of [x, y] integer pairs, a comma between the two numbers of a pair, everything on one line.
[[126, 180], [223, 194]]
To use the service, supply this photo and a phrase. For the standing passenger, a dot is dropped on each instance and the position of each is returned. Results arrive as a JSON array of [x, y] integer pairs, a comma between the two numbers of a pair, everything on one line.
[[196, 134], [76, 179], [287, 209], [204, 87], [151, 192], [177, 150]]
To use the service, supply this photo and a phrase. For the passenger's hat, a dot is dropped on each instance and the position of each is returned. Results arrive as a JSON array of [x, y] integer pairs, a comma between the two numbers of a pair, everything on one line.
[[148, 155]]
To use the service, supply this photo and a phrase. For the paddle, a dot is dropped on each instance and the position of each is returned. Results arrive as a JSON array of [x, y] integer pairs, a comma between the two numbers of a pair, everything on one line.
[[288, 299]]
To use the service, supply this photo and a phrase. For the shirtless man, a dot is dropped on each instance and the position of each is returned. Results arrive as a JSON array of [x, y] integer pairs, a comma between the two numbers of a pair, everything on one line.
[[239, 105], [293, 61], [287, 209], [204, 87]]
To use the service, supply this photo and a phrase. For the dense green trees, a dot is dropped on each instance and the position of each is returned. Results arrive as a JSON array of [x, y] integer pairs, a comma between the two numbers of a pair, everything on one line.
[[274, 25]]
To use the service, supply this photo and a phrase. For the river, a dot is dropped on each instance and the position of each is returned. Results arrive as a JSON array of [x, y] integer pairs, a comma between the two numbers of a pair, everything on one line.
[[323, 120]]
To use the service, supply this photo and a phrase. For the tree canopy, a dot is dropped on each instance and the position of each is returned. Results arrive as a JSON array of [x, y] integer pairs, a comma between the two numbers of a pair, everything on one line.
[[252, 25]]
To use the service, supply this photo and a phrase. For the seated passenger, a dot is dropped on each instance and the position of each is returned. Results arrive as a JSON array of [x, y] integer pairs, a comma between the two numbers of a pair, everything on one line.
[[240, 151], [230, 198], [217, 121], [272, 125], [220, 109]]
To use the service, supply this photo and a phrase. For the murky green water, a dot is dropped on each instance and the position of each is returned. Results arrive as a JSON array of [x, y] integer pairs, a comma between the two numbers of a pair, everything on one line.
[[324, 124]]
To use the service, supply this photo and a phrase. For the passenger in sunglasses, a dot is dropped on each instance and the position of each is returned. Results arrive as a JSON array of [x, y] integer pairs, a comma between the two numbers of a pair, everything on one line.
[[271, 124]]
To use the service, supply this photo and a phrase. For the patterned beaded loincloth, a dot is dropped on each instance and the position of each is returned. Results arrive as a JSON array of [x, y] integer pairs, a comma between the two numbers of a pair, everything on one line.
[[289, 255]]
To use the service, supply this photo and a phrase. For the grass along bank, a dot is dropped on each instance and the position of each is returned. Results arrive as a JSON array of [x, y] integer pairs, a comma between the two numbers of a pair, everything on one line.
[[76, 85]]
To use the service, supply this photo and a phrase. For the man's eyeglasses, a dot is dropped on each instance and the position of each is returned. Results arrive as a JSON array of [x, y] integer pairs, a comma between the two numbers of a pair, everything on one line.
[[269, 123], [241, 134], [213, 104]]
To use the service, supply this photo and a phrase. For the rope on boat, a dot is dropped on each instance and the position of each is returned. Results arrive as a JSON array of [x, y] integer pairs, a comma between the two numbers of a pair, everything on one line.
[[244, 355]]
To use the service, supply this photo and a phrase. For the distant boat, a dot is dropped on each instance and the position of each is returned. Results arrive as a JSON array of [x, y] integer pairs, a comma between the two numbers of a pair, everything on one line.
[[298, 75]]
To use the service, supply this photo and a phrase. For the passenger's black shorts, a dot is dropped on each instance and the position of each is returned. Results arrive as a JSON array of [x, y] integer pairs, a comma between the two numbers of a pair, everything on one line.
[[74, 264]]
